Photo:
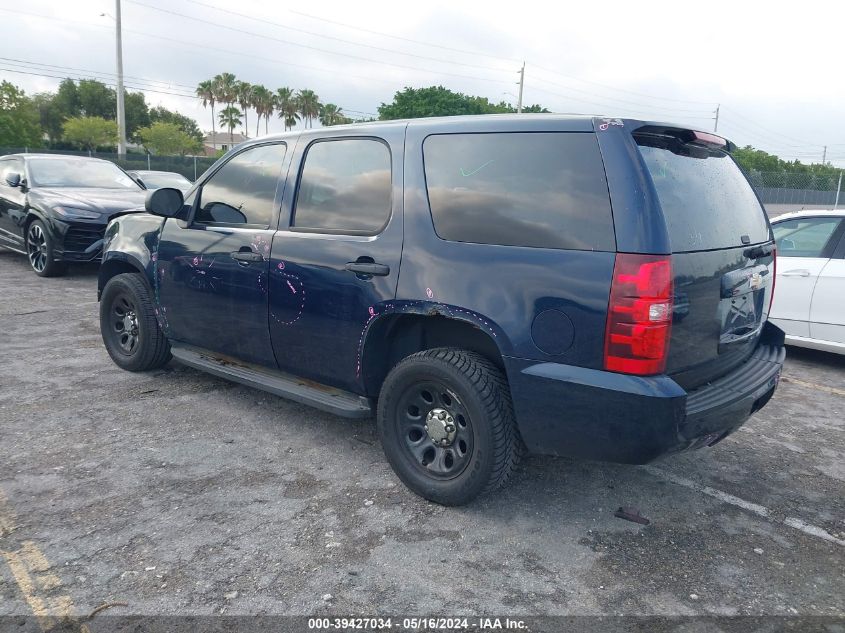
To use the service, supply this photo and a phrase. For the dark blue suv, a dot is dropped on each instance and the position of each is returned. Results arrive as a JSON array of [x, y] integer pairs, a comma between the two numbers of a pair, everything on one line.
[[596, 288]]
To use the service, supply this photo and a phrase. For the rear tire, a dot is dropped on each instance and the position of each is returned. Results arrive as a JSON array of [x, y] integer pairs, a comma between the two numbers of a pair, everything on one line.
[[447, 426], [129, 326], [39, 251]]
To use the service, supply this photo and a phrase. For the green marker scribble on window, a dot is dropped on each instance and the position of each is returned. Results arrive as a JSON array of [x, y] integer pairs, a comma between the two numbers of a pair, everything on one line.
[[475, 171]]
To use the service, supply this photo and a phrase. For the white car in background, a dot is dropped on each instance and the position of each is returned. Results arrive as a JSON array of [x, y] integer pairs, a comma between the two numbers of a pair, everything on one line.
[[809, 302]]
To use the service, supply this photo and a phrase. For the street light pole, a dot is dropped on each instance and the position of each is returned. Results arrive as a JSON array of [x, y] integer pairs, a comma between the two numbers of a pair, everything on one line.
[[121, 111], [521, 84]]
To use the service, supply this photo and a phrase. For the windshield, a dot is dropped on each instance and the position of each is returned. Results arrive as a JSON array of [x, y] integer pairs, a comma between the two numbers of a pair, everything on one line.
[[51, 172], [157, 181], [706, 200]]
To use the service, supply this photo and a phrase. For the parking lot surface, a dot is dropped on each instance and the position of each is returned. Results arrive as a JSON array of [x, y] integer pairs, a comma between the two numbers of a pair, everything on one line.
[[175, 492]]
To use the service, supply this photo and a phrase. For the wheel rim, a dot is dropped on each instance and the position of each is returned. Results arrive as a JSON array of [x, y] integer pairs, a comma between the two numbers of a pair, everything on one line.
[[435, 430], [124, 328], [37, 247]]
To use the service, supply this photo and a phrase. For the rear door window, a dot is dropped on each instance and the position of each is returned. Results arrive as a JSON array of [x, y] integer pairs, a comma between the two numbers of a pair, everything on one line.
[[804, 237], [345, 187], [706, 200], [545, 190]]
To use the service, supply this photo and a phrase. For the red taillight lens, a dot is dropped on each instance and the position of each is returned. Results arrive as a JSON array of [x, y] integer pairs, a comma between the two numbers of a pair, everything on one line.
[[639, 315]]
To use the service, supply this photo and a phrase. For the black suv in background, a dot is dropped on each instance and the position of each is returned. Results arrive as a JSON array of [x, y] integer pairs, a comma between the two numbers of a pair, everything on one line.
[[597, 288], [54, 208]]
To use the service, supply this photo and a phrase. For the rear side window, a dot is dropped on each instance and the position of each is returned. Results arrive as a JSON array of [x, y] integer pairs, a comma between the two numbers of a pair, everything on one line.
[[706, 200], [344, 187], [244, 189], [804, 237], [545, 190]]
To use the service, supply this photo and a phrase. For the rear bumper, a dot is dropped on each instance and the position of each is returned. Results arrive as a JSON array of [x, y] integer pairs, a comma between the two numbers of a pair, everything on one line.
[[593, 414]]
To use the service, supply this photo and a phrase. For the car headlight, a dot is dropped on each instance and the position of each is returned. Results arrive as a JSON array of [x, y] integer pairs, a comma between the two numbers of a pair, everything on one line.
[[70, 213]]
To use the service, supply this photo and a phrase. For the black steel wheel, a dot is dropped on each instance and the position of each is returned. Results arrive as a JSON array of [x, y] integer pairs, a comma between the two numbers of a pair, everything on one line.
[[437, 432], [39, 251], [446, 425], [128, 325]]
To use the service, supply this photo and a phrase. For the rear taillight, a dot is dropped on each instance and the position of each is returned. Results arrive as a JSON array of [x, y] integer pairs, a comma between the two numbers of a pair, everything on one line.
[[639, 315]]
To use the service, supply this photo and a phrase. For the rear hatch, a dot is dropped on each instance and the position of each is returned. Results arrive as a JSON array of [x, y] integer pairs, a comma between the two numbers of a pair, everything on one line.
[[722, 252]]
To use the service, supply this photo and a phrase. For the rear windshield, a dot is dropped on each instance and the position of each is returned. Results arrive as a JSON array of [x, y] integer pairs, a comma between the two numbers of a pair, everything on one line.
[[706, 200]]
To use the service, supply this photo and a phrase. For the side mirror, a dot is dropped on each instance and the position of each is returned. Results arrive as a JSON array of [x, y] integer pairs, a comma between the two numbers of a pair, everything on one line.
[[13, 179], [164, 202]]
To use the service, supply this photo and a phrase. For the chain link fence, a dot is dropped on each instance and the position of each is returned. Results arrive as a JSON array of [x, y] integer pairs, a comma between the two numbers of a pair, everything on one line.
[[191, 167], [798, 187]]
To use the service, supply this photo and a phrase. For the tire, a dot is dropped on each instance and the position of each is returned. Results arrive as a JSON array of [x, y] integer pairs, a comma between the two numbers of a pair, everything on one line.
[[461, 400], [39, 251], [129, 326]]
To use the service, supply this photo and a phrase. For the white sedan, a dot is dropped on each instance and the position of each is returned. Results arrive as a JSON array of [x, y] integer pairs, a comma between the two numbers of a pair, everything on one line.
[[809, 302]]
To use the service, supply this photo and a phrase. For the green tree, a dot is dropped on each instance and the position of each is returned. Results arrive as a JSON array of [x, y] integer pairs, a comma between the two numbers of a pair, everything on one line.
[[414, 103], [160, 114], [230, 117], [49, 114], [168, 139], [206, 92], [20, 123], [226, 88], [330, 114], [90, 132], [286, 107], [96, 99], [137, 113], [308, 105], [264, 104], [244, 92], [66, 100]]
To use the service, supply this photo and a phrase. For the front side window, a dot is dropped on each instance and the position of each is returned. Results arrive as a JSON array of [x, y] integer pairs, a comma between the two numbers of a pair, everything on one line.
[[345, 187], [804, 237], [545, 190], [243, 191]]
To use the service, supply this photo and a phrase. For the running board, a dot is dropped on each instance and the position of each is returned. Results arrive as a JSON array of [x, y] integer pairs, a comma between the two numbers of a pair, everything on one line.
[[330, 399]]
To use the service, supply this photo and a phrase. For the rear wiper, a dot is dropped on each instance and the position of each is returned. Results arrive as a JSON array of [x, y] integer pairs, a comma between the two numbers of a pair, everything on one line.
[[755, 252]]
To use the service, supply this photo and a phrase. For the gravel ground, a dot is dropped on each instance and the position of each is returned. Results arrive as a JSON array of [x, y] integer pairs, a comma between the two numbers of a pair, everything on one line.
[[178, 493]]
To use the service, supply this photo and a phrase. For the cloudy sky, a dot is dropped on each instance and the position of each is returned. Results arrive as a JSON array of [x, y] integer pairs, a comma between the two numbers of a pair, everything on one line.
[[777, 74]]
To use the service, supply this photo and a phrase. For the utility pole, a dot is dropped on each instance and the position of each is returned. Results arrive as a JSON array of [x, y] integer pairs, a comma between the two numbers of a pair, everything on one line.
[[716, 125], [121, 111], [824, 155], [521, 85]]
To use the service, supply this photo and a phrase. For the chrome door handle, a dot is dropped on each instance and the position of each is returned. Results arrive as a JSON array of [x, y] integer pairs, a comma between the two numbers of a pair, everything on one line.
[[799, 272]]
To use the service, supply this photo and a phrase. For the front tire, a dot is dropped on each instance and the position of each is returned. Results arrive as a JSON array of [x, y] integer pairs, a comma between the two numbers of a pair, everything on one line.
[[129, 326], [39, 251], [447, 426]]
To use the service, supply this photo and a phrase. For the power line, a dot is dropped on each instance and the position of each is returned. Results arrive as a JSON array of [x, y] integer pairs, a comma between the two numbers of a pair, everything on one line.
[[16, 62], [328, 37], [314, 48]]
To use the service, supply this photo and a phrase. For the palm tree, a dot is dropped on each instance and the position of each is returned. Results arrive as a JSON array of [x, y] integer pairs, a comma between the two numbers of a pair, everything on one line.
[[308, 105], [284, 102], [205, 91], [225, 86], [230, 117], [264, 104], [244, 93], [330, 114]]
